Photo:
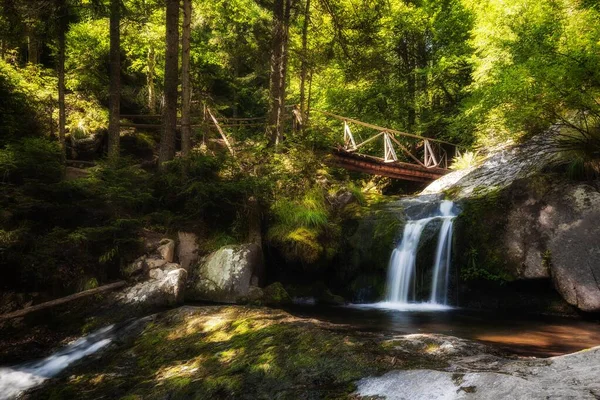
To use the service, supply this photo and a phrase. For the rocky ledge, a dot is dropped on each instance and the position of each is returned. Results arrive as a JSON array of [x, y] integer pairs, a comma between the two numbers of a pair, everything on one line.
[[523, 222]]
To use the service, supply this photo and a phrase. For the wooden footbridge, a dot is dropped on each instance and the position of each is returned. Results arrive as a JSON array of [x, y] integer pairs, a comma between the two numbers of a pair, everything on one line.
[[423, 159], [405, 156]]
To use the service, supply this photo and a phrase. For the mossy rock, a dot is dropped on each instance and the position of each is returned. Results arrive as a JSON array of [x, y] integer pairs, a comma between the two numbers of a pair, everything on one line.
[[275, 294], [235, 353]]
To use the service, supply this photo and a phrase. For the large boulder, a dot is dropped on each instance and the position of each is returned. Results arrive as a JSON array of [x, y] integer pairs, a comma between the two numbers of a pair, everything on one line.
[[522, 223], [226, 275], [542, 227]]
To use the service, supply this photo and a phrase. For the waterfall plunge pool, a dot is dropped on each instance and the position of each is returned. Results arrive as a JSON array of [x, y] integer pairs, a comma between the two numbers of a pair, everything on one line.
[[521, 334], [415, 306]]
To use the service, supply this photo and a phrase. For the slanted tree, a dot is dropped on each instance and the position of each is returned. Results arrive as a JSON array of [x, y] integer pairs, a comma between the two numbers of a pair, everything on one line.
[[167, 140], [115, 80]]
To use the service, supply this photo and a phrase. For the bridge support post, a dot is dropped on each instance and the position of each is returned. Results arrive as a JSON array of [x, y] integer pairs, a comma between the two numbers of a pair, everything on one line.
[[389, 154]]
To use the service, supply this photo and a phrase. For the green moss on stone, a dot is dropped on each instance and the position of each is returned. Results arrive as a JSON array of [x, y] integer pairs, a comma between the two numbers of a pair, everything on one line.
[[232, 352], [275, 294], [481, 223]]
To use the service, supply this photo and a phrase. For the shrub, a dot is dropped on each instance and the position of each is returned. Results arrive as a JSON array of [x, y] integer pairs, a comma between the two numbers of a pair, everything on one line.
[[579, 152], [32, 158], [466, 160], [299, 226]]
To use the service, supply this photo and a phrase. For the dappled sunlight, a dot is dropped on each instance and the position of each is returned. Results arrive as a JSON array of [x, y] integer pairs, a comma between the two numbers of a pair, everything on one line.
[[218, 351], [181, 370]]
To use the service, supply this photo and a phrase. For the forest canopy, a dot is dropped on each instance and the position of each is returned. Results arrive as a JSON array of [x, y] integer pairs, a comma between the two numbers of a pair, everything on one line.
[[126, 85]]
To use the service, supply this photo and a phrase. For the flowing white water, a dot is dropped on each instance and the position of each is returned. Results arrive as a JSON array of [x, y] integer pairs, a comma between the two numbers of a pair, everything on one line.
[[441, 267], [401, 284], [401, 275], [15, 380]]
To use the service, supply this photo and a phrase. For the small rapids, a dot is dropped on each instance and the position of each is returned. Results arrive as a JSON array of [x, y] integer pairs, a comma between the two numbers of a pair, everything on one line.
[[19, 378]]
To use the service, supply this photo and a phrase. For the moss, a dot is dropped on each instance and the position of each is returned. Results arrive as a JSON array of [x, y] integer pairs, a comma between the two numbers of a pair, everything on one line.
[[275, 294], [228, 352], [480, 256]]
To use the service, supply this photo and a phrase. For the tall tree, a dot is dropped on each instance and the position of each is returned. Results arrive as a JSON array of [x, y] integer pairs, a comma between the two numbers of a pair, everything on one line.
[[167, 140], [304, 61], [281, 22], [115, 80], [186, 89], [61, 8]]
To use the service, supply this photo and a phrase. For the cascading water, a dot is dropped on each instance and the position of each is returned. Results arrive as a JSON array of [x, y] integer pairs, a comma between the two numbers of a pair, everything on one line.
[[403, 262], [443, 254], [401, 284], [17, 379]]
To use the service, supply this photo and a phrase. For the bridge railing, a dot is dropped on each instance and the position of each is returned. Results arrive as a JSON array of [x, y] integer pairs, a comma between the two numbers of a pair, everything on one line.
[[426, 152]]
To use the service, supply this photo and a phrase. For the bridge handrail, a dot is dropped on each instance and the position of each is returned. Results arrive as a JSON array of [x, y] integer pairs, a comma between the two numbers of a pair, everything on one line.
[[382, 129]]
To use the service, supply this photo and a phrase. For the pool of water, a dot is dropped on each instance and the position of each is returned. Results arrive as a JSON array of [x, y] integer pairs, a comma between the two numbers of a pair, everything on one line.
[[526, 335]]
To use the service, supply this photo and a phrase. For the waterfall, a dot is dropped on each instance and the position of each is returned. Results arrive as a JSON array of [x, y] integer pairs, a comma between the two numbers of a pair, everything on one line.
[[441, 266], [402, 282], [403, 262]]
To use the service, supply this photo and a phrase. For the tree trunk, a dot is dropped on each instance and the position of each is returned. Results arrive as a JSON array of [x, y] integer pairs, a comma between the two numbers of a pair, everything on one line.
[[33, 49], [281, 17], [115, 80], [150, 73], [167, 142], [186, 89], [62, 29], [306, 118], [304, 65]]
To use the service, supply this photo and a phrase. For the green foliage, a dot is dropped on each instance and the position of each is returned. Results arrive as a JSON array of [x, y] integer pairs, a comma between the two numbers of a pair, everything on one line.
[[579, 152], [25, 99], [55, 232], [466, 160], [203, 190], [300, 226], [535, 64], [32, 158]]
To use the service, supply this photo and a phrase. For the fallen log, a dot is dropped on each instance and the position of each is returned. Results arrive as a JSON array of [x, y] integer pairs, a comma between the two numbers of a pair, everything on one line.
[[62, 300]]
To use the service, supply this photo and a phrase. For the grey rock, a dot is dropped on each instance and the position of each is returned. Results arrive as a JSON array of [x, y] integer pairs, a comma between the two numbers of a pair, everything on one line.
[[134, 268], [166, 289], [167, 250], [501, 168], [187, 250], [546, 227], [153, 262], [554, 234], [225, 275], [573, 376], [156, 273], [171, 266]]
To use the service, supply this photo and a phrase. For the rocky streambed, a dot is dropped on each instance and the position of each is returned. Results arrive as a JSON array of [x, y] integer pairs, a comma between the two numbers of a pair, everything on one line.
[[243, 352]]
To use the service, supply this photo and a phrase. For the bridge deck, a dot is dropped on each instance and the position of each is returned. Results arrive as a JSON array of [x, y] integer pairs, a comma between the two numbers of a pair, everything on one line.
[[377, 166]]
